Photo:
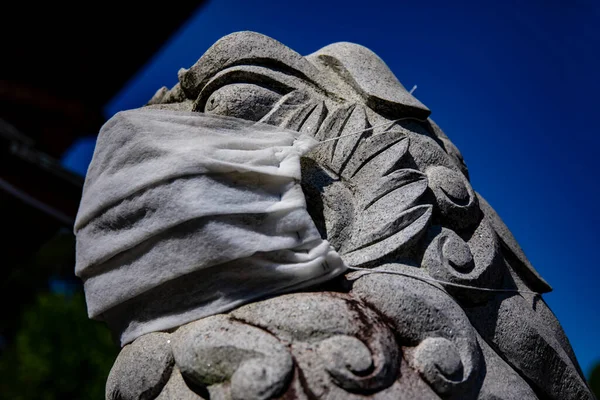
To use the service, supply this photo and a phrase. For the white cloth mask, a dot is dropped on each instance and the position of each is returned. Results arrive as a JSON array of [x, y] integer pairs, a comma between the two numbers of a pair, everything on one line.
[[186, 215]]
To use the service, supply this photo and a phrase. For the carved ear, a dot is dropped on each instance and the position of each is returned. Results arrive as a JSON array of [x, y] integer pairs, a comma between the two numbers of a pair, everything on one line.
[[366, 73]]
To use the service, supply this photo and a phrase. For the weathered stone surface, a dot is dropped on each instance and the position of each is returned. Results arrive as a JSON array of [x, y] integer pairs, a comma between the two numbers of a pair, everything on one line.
[[501, 381], [394, 198], [178, 389]]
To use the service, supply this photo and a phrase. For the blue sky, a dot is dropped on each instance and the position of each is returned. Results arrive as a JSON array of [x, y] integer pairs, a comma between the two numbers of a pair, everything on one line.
[[514, 85]]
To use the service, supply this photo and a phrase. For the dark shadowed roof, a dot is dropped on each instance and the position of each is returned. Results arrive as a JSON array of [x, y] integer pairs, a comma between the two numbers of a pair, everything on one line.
[[60, 63]]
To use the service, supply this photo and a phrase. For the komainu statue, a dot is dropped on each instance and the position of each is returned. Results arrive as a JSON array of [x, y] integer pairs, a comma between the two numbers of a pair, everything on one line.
[[278, 226]]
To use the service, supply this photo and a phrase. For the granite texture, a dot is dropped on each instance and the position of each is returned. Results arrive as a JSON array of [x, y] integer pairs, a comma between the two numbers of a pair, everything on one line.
[[398, 201]]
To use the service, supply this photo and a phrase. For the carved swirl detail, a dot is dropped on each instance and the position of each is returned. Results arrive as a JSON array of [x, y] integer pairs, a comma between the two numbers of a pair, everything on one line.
[[476, 261], [260, 352]]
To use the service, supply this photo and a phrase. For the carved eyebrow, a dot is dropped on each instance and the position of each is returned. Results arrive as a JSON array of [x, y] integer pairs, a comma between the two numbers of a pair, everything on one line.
[[245, 48], [259, 75]]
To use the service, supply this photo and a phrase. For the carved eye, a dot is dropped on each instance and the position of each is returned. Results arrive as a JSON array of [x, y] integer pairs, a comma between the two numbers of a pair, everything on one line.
[[241, 100]]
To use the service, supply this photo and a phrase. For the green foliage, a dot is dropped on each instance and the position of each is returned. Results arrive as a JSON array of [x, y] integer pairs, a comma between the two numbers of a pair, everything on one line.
[[57, 352]]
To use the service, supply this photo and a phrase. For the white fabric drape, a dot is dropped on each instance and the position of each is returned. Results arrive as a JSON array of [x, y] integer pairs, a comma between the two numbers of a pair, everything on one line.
[[171, 197]]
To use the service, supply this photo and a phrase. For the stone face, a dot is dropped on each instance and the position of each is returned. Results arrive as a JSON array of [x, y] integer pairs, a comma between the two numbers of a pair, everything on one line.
[[394, 198]]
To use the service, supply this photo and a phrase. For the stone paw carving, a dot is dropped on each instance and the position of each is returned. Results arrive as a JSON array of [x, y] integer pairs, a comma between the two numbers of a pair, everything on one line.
[[217, 350], [309, 345]]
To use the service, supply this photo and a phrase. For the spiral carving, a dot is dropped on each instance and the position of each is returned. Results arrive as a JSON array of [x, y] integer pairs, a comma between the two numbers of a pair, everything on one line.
[[438, 360], [474, 262]]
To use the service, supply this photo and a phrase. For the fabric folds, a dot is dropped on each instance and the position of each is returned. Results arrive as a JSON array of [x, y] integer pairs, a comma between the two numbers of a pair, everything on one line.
[[185, 215]]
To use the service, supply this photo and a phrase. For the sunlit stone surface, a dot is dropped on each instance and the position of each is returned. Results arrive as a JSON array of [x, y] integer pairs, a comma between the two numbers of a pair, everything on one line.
[[398, 201]]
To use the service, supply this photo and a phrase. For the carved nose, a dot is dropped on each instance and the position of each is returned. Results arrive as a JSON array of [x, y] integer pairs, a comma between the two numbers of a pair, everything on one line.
[[458, 254], [456, 191], [455, 198]]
